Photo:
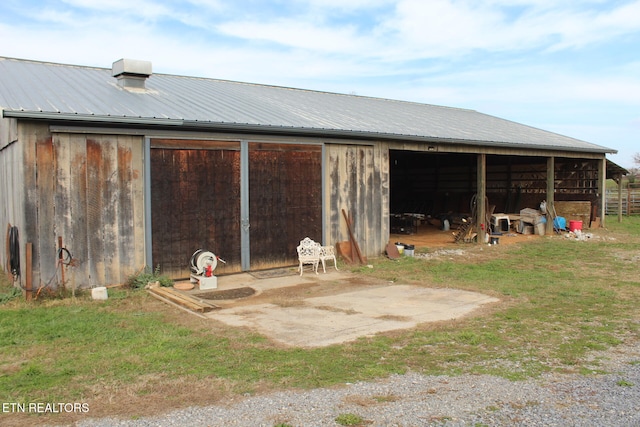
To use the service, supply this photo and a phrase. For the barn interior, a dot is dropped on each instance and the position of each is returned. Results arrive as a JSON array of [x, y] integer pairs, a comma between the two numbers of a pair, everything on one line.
[[433, 195]]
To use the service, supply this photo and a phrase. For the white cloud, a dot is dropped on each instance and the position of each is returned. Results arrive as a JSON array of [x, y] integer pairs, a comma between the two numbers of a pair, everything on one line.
[[445, 28], [502, 57], [143, 9]]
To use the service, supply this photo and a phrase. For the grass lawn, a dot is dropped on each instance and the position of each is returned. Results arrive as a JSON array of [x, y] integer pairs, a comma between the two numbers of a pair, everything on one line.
[[132, 355]]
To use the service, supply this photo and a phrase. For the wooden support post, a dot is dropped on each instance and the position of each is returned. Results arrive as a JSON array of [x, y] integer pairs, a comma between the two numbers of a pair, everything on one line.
[[619, 180], [551, 189], [60, 261], [602, 190], [28, 286], [481, 178]]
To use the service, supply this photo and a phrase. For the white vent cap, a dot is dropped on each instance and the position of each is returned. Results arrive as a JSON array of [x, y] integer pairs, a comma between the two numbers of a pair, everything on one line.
[[131, 67]]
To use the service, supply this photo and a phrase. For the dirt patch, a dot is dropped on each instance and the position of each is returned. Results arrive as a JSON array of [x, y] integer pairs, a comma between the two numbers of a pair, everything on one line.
[[228, 294], [287, 295]]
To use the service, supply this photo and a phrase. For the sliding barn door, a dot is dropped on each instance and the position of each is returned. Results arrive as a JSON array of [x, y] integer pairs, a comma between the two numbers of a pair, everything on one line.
[[195, 204], [285, 201]]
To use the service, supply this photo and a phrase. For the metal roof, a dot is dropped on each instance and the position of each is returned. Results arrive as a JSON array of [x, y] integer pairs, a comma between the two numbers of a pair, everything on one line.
[[67, 92]]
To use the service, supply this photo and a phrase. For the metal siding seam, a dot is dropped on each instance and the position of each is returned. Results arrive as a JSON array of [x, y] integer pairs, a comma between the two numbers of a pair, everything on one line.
[[147, 202], [245, 235]]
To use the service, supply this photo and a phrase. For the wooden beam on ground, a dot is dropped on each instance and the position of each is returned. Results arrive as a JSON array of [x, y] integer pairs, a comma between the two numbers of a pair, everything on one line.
[[166, 301], [190, 302]]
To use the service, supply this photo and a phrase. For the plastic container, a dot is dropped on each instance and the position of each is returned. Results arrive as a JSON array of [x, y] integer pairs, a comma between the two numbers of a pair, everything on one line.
[[400, 247], [409, 250], [575, 225], [99, 293]]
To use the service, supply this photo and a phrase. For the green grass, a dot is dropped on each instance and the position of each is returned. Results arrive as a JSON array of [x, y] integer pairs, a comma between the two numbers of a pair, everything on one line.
[[561, 300], [349, 419]]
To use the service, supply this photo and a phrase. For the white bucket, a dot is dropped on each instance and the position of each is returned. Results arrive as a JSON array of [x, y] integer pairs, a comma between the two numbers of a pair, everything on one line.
[[99, 293]]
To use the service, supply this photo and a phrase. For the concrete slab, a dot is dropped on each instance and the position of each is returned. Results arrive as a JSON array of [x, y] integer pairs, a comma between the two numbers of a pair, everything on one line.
[[333, 319]]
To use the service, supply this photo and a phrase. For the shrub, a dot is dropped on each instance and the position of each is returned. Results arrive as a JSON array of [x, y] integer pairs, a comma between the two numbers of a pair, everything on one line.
[[142, 279]]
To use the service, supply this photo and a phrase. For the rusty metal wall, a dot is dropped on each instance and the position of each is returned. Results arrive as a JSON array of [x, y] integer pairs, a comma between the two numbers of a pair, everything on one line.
[[195, 204], [285, 201]]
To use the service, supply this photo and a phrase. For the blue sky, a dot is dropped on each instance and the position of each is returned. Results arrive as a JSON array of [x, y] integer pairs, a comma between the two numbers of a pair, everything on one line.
[[571, 67]]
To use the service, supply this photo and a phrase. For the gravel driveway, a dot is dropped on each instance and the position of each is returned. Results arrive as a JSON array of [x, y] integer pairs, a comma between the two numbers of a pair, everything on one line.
[[611, 399]]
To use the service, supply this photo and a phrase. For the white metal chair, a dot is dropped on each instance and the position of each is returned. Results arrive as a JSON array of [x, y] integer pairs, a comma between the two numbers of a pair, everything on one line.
[[328, 253], [308, 253]]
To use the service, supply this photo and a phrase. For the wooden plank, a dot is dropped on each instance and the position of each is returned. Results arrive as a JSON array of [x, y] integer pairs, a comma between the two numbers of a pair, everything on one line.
[[185, 300], [95, 206], [45, 251], [136, 145], [125, 217], [110, 189], [167, 301], [77, 239], [176, 299], [63, 196]]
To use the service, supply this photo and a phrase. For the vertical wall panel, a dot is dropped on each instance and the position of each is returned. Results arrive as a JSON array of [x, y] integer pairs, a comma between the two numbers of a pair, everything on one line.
[[126, 236], [76, 236], [95, 206], [111, 188], [86, 189], [358, 182], [12, 188], [28, 135], [44, 248], [195, 203], [285, 185]]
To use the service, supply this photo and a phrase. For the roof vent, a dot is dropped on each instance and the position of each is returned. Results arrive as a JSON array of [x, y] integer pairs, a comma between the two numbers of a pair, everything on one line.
[[131, 73]]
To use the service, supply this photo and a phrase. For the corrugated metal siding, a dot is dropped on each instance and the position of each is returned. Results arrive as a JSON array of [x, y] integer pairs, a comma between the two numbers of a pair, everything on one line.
[[84, 91]]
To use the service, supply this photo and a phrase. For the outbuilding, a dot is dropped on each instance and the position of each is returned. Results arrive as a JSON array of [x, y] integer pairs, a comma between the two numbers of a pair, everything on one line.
[[120, 168]]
